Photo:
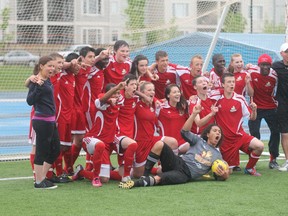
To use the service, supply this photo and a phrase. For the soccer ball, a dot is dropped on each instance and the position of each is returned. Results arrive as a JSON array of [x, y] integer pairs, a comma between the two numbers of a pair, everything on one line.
[[219, 163]]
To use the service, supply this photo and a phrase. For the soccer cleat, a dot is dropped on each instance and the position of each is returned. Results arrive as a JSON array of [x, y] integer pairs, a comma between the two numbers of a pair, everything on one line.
[[96, 182], [252, 172], [237, 169], [126, 179], [273, 164], [284, 167], [45, 184], [126, 185], [76, 175], [54, 179], [64, 178]]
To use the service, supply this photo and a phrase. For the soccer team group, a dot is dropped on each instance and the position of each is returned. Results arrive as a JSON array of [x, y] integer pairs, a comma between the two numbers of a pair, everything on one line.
[[180, 118]]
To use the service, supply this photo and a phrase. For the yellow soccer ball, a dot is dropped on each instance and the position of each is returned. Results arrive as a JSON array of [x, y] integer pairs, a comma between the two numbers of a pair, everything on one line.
[[219, 163]]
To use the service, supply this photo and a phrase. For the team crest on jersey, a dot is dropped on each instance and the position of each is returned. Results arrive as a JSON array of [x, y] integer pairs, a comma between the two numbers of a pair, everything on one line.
[[124, 71], [233, 109], [186, 81], [133, 105], [239, 78], [66, 83], [256, 80], [268, 84], [151, 109], [168, 82]]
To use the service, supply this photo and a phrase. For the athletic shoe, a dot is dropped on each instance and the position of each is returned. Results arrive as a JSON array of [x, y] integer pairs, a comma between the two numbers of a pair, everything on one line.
[[126, 185], [76, 175], [126, 179], [64, 178], [96, 182], [237, 169], [45, 184], [273, 164], [54, 179], [251, 171], [284, 167]]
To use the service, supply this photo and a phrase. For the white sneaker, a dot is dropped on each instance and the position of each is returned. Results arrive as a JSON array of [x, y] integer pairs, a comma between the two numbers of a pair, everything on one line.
[[284, 167], [126, 179]]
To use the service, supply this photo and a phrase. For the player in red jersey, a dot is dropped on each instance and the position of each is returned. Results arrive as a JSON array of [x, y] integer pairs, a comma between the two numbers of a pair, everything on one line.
[[166, 73], [217, 71], [263, 87], [94, 85], [232, 107], [65, 98], [99, 140], [145, 129], [172, 115], [206, 116], [242, 78], [141, 70], [78, 126], [119, 63], [186, 75]]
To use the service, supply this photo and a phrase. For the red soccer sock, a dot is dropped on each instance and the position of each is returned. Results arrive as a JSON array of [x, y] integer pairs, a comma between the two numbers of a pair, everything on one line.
[[75, 151], [114, 175], [32, 156], [49, 173], [86, 174], [128, 158], [97, 158], [252, 160], [271, 158], [58, 165], [89, 164], [68, 161]]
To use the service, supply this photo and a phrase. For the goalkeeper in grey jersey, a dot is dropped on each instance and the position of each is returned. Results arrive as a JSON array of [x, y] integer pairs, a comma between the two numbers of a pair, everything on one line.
[[192, 165]]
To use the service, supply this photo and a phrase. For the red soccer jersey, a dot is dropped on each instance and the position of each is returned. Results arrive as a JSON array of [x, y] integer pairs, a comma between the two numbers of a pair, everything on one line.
[[80, 80], [170, 122], [166, 78], [65, 97], [264, 88], [115, 71], [240, 83], [145, 122], [185, 79], [230, 115], [125, 122], [215, 80], [55, 82], [206, 109], [104, 126]]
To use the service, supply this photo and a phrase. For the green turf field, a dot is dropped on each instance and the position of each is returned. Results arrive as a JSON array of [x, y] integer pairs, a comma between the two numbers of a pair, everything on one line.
[[240, 195], [12, 77]]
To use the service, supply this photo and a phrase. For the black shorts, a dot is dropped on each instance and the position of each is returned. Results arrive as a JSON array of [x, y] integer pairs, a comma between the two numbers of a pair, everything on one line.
[[282, 116], [174, 169]]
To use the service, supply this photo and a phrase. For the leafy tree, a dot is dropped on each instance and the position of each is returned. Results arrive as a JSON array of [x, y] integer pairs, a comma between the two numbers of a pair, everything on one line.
[[269, 27], [135, 12], [5, 14], [234, 22]]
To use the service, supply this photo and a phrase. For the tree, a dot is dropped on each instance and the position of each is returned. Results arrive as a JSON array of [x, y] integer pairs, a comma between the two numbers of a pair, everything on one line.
[[234, 22], [5, 14], [269, 27], [136, 16]]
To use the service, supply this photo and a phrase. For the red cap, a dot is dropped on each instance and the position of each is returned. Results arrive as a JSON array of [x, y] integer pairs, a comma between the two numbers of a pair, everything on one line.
[[265, 58]]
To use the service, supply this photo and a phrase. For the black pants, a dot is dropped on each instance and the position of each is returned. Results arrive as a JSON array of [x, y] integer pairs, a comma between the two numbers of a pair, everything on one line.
[[174, 169], [47, 142], [270, 116]]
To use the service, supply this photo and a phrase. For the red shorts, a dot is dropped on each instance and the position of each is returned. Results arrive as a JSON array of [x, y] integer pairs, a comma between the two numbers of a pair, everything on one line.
[[78, 122], [143, 150], [230, 148], [64, 131]]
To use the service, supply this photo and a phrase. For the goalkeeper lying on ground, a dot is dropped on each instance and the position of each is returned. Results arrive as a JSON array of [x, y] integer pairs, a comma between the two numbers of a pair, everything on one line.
[[192, 165]]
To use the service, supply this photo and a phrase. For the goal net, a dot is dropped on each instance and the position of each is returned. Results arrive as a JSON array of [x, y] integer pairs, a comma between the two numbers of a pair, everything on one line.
[[183, 28]]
